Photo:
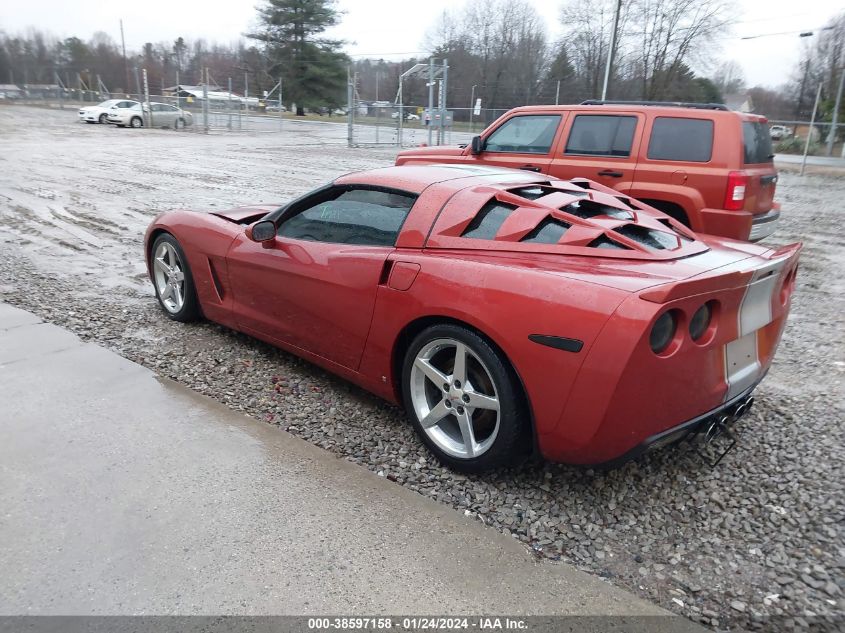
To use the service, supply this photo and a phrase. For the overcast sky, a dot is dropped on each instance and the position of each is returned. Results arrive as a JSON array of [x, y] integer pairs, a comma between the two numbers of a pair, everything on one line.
[[393, 29]]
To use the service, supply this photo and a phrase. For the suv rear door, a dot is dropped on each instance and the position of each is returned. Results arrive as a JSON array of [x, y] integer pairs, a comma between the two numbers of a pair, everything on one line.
[[522, 141], [601, 146], [758, 166], [677, 164]]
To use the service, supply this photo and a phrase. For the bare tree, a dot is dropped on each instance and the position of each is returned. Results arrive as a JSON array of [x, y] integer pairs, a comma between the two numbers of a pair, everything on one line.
[[729, 78]]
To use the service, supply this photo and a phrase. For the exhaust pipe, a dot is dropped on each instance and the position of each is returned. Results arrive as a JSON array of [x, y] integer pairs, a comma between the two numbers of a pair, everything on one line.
[[718, 426]]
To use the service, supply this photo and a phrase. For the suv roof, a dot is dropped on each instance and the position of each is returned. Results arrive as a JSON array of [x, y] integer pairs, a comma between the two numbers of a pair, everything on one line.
[[675, 104], [658, 108]]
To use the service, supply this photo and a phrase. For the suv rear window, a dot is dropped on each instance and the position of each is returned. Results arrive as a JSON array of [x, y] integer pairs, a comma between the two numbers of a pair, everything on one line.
[[757, 142], [601, 135], [674, 138]]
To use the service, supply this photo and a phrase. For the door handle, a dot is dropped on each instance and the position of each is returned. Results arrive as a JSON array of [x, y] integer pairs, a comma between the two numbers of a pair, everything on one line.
[[611, 173], [530, 168]]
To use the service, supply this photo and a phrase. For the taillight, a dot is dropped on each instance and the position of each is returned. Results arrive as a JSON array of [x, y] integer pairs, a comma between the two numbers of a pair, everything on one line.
[[735, 194]]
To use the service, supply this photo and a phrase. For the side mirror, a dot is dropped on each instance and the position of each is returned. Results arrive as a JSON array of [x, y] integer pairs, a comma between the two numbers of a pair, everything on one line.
[[477, 145], [263, 232]]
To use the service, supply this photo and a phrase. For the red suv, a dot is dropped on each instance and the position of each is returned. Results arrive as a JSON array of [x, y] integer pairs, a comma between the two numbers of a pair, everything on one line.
[[707, 166]]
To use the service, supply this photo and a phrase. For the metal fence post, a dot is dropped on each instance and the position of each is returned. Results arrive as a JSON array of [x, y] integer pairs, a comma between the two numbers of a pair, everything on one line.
[[205, 100], [831, 137], [149, 114], [350, 109], [229, 106], [280, 104], [429, 121]]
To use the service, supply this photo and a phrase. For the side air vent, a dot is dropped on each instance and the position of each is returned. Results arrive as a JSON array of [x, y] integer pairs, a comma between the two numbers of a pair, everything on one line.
[[605, 242], [590, 209], [655, 240], [487, 221], [669, 226], [549, 231], [532, 193]]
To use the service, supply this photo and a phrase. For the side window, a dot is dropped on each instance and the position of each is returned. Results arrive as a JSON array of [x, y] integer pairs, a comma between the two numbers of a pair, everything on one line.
[[530, 134], [346, 215], [757, 143], [674, 138], [601, 135]]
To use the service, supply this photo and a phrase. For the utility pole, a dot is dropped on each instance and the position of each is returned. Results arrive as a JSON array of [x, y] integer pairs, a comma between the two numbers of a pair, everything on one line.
[[557, 92], [831, 137], [610, 52]]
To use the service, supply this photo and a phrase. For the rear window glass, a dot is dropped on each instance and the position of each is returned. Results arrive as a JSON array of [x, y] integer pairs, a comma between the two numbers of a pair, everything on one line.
[[673, 138], [757, 142], [601, 135]]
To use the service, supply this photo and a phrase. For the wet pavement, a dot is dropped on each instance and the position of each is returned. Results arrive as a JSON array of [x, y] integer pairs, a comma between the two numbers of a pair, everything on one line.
[[124, 493]]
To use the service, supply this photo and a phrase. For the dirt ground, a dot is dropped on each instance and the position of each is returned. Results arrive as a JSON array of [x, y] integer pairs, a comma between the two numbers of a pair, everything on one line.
[[756, 542]]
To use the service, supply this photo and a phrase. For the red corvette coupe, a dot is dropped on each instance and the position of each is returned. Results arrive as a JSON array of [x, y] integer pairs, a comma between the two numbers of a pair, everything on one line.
[[507, 311]]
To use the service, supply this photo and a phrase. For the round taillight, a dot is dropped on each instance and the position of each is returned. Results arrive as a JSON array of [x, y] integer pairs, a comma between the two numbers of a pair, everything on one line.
[[662, 332], [700, 321]]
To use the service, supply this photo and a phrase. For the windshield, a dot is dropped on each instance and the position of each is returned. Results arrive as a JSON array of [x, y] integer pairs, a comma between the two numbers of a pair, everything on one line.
[[108, 104]]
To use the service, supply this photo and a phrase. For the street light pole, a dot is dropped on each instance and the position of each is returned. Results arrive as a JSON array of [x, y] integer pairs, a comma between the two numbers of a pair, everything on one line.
[[611, 51]]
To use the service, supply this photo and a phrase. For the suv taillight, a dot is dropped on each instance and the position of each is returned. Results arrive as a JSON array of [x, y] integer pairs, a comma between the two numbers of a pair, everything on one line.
[[735, 194]]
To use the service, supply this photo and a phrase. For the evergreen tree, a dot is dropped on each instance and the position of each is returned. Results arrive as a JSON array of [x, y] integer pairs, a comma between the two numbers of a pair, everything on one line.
[[311, 67]]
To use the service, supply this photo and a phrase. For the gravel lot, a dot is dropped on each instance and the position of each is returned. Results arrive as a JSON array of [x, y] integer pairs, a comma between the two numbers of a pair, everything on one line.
[[756, 542]]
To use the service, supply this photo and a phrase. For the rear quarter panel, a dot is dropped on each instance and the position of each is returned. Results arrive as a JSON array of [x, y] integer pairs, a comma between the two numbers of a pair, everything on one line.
[[506, 303]]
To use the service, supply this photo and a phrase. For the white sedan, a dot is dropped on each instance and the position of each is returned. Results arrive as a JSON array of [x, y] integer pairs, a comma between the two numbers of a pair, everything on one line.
[[156, 115], [99, 113]]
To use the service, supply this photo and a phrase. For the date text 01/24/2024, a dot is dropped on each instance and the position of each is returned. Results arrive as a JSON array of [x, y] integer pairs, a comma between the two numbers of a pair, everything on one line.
[[416, 623]]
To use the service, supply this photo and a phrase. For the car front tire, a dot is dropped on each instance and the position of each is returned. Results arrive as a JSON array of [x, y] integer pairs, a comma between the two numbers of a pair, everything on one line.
[[103, 119], [463, 400], [172, 279], [136, 122]]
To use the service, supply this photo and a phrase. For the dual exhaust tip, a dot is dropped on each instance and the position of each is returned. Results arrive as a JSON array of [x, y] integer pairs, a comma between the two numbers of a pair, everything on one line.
[[720, 423]]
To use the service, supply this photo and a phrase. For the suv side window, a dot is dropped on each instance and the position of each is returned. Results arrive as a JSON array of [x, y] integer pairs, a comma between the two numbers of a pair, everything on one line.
[[601, 135], [346, 215], [529, 134], [757, 143], [674, 138]]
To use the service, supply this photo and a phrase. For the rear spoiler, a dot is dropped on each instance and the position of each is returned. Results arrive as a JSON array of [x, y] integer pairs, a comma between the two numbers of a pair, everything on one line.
[[733, 276]]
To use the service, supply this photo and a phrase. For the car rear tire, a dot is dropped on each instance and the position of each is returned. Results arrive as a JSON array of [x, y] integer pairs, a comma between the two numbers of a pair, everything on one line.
[[136, 122], [464, 400], [103, 119], [172, 279]]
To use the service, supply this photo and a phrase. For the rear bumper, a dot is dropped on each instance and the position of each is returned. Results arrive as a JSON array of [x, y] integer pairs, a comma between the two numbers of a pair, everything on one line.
[[738, 225], [763, 225], [683, 430]]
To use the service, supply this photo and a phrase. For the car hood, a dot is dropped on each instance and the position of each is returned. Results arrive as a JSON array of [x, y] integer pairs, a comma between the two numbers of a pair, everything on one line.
[[424, 152], [246, 215]]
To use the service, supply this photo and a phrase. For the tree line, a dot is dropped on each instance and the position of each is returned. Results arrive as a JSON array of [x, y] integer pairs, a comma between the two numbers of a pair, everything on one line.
[[498, 50]]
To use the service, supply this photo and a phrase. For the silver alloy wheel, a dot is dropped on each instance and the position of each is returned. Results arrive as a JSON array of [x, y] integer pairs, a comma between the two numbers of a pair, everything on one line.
[[454, 398], [136, 122], [169, 277]]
